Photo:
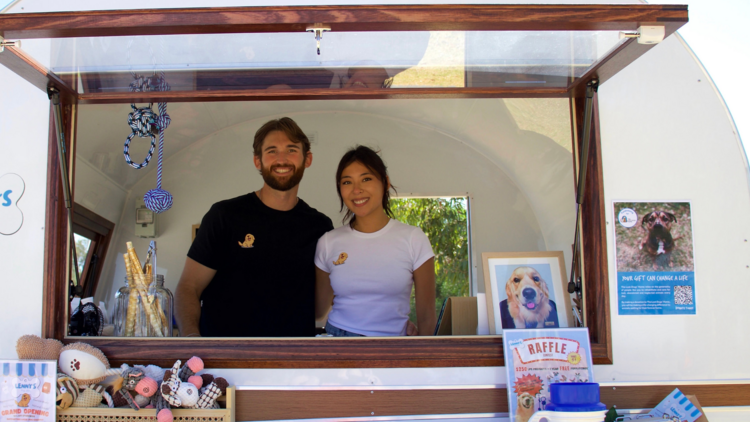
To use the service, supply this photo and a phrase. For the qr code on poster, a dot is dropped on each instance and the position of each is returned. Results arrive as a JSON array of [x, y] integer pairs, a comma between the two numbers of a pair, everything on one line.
[[683, 295]]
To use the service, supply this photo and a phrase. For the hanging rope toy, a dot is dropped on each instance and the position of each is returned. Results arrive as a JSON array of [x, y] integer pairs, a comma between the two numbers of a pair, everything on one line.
[[140, 121], [143, 122], [158, 200]]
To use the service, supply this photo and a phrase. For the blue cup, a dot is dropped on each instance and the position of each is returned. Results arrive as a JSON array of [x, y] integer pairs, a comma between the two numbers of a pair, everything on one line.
[[574, 397]]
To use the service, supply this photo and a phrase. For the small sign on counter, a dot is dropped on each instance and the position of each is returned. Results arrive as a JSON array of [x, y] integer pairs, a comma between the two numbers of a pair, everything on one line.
[[536, 358], [27, 390]]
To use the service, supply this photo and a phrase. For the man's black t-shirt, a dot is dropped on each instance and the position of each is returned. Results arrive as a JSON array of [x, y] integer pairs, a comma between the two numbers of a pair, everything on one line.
[[265, 283]]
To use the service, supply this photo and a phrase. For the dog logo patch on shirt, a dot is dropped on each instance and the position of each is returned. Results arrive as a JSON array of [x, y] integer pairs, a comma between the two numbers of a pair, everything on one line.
[[248, 243], [342, 258]]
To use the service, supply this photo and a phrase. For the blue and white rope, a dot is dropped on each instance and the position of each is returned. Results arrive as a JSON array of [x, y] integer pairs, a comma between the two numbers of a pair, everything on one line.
[[141, 122], [159, 200]]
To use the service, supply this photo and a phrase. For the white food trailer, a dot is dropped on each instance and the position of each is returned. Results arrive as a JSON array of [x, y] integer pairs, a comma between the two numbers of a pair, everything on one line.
[[487, 102]]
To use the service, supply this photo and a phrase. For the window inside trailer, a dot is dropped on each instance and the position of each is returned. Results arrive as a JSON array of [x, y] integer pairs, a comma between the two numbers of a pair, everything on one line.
[[445, 221]]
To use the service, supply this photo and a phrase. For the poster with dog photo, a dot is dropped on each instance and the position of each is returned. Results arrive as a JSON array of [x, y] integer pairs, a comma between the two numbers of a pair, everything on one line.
[[654, 256], [534, 359], [526, 290]]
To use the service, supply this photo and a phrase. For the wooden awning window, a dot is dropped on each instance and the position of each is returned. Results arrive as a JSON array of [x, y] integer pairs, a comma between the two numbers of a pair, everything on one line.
[[526, 51]]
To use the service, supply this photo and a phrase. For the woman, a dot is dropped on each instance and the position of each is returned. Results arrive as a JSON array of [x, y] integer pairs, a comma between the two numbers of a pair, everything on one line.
[[367, 268]]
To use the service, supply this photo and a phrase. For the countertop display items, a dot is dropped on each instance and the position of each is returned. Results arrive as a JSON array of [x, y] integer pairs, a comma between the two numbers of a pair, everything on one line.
[[143, 306], [87, 388]]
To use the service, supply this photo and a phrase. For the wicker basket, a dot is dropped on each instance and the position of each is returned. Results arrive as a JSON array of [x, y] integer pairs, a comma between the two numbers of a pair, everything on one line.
[[102, 414]]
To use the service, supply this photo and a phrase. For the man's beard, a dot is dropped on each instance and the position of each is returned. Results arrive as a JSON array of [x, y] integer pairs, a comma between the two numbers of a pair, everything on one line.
[[291, 181]]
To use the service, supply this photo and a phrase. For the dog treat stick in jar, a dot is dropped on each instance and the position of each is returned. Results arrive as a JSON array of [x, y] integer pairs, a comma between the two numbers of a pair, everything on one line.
[[133, 267], [148, 305], [140, 285], [134, 259], [132, 299]]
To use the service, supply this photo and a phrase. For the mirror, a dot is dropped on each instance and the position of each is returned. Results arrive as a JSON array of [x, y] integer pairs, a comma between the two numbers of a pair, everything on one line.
[[512, 159]]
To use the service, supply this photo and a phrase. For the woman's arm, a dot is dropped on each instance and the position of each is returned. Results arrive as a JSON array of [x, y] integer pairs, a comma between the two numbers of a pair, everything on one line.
[[424, 292], [323, 293]]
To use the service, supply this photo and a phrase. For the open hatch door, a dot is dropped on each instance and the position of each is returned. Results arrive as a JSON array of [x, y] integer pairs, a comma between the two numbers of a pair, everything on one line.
[[335, 52]]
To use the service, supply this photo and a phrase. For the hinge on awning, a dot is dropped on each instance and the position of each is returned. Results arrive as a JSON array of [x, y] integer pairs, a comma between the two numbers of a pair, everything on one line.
[[646, 34], [5, 43], [318, 29]]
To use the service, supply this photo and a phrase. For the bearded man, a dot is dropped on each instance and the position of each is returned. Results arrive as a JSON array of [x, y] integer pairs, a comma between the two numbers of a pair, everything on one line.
[[250, 271]]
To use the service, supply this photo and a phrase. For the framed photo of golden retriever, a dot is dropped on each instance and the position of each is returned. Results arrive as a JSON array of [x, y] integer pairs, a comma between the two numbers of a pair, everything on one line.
[[526, 290]]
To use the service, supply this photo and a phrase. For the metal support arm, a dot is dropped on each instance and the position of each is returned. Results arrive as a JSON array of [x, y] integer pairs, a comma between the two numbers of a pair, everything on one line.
[[54, 96], [574, 284]]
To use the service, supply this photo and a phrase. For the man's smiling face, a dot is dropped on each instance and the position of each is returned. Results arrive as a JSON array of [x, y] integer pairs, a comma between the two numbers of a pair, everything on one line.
[[282, 162]]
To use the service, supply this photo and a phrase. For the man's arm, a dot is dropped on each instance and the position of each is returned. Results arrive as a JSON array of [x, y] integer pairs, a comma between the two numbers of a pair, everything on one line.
[[195, 278]]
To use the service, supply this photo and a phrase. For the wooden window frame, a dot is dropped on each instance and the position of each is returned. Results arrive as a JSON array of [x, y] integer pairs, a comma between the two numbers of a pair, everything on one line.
[[470, 351], [102, 230]]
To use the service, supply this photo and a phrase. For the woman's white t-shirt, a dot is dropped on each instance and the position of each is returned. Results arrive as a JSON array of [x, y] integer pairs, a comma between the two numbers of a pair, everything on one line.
[[372, 285]]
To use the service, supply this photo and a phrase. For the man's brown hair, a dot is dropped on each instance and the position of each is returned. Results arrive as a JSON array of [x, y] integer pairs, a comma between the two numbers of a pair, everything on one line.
[[286, 125]]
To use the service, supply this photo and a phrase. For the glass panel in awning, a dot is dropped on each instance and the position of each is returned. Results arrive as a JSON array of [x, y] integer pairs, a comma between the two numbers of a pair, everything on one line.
[[413, 59]]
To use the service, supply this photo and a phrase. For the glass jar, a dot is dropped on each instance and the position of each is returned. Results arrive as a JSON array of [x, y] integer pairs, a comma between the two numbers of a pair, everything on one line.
[[143, 308]]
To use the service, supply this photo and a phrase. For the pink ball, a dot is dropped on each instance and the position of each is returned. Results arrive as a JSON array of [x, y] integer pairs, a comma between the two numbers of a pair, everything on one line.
[[195, 364], [196, 380], [146, 387], [165, 415]]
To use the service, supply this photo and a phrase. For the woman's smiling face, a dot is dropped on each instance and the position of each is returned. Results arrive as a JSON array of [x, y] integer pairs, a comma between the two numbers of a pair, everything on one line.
[[361, 190]]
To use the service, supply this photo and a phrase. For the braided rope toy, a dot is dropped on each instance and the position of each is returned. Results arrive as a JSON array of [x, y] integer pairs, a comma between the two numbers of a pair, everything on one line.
[[142, 121]]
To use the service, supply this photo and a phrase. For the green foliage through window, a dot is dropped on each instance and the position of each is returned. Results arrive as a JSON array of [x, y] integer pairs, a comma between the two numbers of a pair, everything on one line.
[[444, 221], [82, 250]]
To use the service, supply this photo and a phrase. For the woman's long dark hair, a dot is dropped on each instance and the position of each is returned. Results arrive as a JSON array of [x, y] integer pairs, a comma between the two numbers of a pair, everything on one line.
[[370, 159]]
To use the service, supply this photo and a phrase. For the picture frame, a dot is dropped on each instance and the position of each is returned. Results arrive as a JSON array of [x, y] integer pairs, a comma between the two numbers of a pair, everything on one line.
[[544, 305]]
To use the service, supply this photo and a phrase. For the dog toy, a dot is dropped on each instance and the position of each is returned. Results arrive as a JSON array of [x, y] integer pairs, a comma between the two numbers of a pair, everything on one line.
[[92, 396], [88, 366], [175, 393], [133, 379], [67, 391], [143, 122], [192, 367], [85, 363], [37, 348], [211, 392], [181, 387]]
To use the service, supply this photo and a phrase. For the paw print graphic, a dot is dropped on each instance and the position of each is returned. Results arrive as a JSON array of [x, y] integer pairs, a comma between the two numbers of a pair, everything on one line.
[[75, 365]]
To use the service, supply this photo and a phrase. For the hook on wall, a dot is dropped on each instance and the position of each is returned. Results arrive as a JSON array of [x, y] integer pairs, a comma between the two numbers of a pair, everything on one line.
[[318, 29]]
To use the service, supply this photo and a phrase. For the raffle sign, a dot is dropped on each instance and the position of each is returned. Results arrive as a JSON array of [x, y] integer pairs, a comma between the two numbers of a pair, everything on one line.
[[28, 390], [536, 358], [655, 267]]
